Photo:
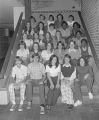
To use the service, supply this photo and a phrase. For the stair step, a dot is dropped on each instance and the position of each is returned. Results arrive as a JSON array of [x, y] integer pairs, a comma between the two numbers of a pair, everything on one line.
[[36, 98]]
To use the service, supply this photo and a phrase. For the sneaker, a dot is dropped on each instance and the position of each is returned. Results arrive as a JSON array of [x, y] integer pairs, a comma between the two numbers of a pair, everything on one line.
[[20, 108], [90, 96], [42, 110], [29, 105], [13, 107], [70, 106], [48, 107], [77, 103]]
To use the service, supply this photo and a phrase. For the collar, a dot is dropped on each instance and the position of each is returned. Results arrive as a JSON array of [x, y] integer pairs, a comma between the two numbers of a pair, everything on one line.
[[64, 65], [70, 50]]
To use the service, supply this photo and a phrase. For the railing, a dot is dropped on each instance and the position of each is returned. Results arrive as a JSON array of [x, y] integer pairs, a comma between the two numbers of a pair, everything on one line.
[[89, 41], [7, 58], [12, 57]]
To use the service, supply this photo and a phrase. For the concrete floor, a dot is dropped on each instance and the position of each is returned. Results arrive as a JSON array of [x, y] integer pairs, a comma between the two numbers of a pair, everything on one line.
[[60, 112]]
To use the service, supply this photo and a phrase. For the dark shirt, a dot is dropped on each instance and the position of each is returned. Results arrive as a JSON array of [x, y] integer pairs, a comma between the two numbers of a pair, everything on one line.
[[67, 71]]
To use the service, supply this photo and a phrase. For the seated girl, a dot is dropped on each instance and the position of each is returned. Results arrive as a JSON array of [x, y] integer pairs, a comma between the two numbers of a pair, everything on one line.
[[41, 41], [84, 76], [73, 52], [42, 19], [33, 23], [36, 49], [59, 20], [52, 29], [23, 53], [53, 71], [77, 39], [41, 28], [28, 41], [58, 37], [65, 30], [68, 74], [36, 37], [70, 21], [60, 52], [77, 27], [46, 54], [27, 28], [85, 49], [48, 38]]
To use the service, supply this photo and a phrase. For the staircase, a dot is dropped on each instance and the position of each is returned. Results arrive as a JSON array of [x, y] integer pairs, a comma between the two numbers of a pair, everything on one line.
[[36, 99]]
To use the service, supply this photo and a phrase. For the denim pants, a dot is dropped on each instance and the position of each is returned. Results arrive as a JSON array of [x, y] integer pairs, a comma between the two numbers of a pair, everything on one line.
[[29, 91], [53, 94], [77, 87]]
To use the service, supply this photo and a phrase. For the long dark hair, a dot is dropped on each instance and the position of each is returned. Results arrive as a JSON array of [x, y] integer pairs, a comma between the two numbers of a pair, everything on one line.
[[52, 47], [60, 42], [39, 27], [50, 61], [85, 60]]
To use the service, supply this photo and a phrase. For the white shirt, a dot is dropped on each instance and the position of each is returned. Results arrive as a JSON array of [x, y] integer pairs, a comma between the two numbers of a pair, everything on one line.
[[70, 23], [53, 70], [45, 55], [28, 42], [41, 32], [53, 33], [23, 53], [65, 33], [19, 73]]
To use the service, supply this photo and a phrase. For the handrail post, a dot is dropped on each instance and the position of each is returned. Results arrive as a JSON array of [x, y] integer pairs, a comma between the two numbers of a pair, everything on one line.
[[27, 9]]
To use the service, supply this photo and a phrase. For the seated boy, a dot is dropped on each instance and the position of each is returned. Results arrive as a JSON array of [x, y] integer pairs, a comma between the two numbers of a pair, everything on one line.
[[36, 73], [18, 78]]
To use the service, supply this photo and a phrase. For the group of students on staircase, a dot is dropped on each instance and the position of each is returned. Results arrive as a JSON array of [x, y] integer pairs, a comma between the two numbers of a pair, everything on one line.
[[52, 52]]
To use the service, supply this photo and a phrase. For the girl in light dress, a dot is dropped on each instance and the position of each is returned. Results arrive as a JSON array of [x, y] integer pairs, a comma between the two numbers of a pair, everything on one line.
[[68, 74]]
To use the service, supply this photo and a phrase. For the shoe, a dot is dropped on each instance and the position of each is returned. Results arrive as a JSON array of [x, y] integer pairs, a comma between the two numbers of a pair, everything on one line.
[[77, 103], [48, 107], [42, 110], [70, 106], [90, 96], [13, 107], [20, 108], [29, 105]]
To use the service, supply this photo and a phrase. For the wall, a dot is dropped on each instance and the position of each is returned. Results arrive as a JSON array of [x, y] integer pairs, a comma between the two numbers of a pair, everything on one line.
[[6, 11], [6, 8], [90, 13], [52, 5]]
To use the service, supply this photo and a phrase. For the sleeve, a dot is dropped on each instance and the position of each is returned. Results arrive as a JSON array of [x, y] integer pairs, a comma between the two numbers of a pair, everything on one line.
[[89, 51], [73, 76], [28, 70], [59, 68], [18, 53], [43, 69], [13, 72], [27, 52], [91, 71], [42, 54], [25, 71], [62, 77], [47, 69]]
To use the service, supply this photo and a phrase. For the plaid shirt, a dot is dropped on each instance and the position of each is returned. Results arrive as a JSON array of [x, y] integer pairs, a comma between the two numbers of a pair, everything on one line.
[[36, 70]]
